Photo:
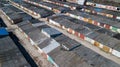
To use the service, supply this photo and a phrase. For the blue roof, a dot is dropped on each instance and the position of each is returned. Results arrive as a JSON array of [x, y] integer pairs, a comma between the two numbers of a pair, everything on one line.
[[3, 32], [51, 31], [98, 9]]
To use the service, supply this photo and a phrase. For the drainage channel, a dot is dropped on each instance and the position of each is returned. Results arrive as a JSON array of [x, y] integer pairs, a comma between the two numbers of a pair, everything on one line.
[[2, 24]]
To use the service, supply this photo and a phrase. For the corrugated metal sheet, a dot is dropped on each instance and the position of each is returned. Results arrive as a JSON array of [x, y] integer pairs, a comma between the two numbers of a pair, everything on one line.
[[84, 30], [73, 1], [117, 36], [98, 38], [15, 17], [25, 16], [105, 31], [14, 9], [95, 17], [42, 26], [10, 56], [67, 3], [65, 22], [103, 10], [37, 23], [51, 32], [92, 27], [36, 0], [66, 42], [81, 2], [50, 47], [61, 9], [108, 41], [93, 58], [34, 21], [108, 24], [6, 44], [44, 41], [108, 2], [1, 5], [81, 23], [31, 31], [7, 10], [70, 59], [26, 26], [43, 12]]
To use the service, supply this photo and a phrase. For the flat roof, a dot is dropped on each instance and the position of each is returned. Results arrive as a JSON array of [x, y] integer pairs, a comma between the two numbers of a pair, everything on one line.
[[10, 56]]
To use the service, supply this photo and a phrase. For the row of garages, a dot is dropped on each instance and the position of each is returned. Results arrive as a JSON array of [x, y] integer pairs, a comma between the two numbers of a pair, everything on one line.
[[45, 39]]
